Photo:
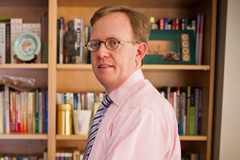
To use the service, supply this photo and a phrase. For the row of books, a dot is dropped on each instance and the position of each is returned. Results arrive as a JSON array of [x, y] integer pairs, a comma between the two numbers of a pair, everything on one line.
[[23, 112], [82, 56], [195, 23], [10, 28], [68, 154], [187, 104], [81, 100], [23, 157], [189, 155]]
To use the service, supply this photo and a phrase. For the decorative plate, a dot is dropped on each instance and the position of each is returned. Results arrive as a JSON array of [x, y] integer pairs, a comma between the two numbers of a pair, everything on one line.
[[26, 46]]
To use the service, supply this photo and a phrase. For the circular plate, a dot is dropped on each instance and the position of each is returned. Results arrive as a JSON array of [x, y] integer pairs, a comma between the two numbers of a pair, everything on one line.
[[26, 46]]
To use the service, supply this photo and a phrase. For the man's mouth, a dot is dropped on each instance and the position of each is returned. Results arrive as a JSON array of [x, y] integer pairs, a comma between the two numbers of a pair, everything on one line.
[[104, 66]]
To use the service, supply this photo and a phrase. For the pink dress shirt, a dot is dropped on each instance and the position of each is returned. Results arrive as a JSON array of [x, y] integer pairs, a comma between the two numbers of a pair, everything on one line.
[[139, 125]]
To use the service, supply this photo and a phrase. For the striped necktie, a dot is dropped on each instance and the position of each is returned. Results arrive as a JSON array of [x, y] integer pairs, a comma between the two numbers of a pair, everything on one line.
[[95, 124]]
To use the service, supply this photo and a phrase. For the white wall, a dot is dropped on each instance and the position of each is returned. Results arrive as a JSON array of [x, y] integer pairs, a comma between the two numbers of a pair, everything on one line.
[[230, 120]]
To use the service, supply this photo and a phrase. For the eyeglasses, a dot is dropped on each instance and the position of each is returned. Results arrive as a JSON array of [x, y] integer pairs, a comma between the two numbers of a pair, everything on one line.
[[111, 44]]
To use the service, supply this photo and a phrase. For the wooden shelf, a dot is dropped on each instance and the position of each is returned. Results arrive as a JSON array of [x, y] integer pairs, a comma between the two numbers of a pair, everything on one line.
[[193, 138], [144, 67], [140, 3], [71, 137], [23, 136], [24, 66]]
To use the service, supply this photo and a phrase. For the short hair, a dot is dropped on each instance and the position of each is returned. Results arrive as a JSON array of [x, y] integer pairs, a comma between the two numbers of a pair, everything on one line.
[[139, 22]]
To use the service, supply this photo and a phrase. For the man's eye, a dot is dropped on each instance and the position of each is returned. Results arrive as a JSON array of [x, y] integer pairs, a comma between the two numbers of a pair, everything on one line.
[[95, 45]]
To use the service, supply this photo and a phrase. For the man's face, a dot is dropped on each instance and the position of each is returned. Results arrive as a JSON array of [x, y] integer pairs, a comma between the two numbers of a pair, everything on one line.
[[113, 67]]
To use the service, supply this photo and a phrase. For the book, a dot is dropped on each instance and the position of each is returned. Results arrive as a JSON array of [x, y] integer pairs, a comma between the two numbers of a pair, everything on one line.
[[170, 47], [78, 26], [183, 114], [8, 43], [40, 124], [199, 111], [31, 112], [7, 109], [196, 94], [36, 28], [61, 34], [46, 110], [18, 112], [44, 39], [16, 29], [200, 48], [192, 112], [24, 111], [2, 43], [36, 110], [1, 112]]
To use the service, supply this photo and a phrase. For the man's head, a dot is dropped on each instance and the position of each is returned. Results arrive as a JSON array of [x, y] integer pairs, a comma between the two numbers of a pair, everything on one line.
[[139, 22], [118, 42]]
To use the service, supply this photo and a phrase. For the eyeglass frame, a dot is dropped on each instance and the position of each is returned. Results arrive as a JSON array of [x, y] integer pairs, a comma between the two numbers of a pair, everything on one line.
[[105, 42]]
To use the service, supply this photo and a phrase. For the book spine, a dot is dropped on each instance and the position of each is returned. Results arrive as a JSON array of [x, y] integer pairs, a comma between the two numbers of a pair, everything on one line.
[[78, 26], [2, 43], [8, 43], [199, 62], [13, 111], [4, 112], [33, 113], [16, 29], [199, 111], [24, 106], [1, 112], [196, 110], [18, 112], [58, 40], [36, 28], [165, 23], [161, 24], [36, 110], [40, 112], [192, 113], [44, 39], [30, 111], [46, 110], [197, 36], [61, 40], [7, 109]]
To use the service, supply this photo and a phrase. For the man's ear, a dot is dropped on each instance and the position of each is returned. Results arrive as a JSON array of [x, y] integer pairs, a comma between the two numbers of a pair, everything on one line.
[[142, 49]]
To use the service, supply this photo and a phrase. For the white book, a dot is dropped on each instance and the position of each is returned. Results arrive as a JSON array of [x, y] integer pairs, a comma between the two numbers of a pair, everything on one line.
[[2, 43], [71, 99], [16, 29], [7, 109], [59, 98]]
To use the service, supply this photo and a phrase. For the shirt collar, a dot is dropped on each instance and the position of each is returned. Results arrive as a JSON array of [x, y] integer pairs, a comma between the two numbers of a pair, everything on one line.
[[121, 93]]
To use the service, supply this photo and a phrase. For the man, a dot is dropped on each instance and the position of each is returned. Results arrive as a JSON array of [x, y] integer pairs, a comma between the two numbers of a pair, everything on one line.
[[140, 124]]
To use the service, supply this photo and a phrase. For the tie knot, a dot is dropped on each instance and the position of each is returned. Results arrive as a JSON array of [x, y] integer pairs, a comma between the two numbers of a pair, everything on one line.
[[107, 101]]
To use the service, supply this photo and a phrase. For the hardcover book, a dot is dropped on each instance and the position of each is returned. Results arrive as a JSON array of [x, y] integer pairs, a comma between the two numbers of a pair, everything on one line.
[[170, 47]]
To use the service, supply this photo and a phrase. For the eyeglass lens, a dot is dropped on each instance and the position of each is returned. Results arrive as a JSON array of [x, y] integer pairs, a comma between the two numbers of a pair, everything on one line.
[[111, 44]]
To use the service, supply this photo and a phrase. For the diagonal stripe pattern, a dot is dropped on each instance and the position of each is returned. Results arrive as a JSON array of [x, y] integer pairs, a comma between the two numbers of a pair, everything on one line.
[[95, 124]]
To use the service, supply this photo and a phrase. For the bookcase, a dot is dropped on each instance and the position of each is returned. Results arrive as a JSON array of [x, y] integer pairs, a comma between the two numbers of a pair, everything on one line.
[[80, 78]]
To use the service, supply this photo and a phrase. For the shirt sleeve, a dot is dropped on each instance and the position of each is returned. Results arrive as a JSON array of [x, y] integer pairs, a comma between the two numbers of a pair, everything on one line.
[[143, 135]]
